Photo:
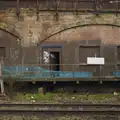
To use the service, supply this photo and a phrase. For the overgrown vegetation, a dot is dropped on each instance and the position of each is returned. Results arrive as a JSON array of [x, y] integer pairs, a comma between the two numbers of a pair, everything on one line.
[[3, 25], [65, 97]]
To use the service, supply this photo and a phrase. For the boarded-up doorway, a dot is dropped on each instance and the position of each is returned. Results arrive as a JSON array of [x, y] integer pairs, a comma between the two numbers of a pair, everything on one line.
[[88, 51], [118, 53], [84, 53], [2, 52]]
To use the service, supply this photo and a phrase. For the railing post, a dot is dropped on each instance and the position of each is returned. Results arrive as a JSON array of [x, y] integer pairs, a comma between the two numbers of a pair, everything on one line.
[[100, 70], [1, 80], [73, 65]]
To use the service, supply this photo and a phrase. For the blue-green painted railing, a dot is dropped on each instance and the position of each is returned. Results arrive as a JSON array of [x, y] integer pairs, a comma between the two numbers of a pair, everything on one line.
[[40, 72]]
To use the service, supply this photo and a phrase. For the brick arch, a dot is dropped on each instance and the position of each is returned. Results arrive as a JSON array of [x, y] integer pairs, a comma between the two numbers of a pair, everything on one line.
[[8, 29], [74, 27], [10, 33], [14, 56]]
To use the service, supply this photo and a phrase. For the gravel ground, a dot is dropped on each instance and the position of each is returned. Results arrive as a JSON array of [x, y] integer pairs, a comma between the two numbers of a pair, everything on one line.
[[10, 117]]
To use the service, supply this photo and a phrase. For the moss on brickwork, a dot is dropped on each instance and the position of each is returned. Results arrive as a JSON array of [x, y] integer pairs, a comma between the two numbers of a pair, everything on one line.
[[47, 25], [30, 12], [85, 20], [3, 25], [11, 10]]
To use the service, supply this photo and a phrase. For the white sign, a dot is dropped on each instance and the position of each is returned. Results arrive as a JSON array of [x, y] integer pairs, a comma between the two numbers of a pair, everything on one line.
[[95, 60]]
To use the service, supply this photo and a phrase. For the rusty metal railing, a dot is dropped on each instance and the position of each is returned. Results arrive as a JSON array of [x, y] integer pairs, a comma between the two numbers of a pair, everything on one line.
[[95, 6]]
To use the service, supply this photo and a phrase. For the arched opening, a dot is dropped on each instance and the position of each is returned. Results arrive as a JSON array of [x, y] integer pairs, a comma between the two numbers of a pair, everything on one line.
[[85, 41], [10, 48]]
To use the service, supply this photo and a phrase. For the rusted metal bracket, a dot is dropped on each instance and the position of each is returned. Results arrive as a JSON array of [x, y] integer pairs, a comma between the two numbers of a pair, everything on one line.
[[76, 2], [18, 9], [37, 10], [57, 6], [117, 8], [96, 7]]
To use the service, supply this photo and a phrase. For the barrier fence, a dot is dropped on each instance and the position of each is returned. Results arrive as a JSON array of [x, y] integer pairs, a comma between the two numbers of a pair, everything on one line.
[[37, 72], [59, 5]]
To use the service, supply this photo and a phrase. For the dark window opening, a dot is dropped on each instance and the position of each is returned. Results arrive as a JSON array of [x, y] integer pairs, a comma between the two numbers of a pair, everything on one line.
[[2, 52], [118, 53], [88, 51], [118, 67], [55, 61]]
